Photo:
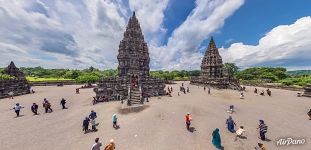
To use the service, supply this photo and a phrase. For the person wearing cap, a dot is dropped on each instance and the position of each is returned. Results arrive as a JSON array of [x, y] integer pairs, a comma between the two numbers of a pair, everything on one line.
[[111, 145], [188, 120], [34, 108], [17, 109], [97, 144]]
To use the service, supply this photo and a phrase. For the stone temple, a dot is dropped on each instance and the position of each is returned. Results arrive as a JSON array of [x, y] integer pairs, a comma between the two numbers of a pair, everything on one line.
[[18, 85], [307, 92], [133, 61], [213, 73]]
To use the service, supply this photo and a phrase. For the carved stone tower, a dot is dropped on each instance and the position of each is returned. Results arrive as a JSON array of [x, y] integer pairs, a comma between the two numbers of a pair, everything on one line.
[[133, 54], [212, 66]]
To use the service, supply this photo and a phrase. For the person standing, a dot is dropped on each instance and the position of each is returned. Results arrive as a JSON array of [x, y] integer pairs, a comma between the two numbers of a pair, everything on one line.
[[111, 145], [93, 123], [230, 124], [114, 121], [204, 88], [34, 108], [188, 121], [85, 125], [63, 102], [216, 139], [17, 109], [263, 128], [209, 91], [97, 144]]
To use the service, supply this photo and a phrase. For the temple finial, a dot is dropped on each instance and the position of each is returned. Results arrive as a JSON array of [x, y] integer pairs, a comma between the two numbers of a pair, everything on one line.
[[134, 14]]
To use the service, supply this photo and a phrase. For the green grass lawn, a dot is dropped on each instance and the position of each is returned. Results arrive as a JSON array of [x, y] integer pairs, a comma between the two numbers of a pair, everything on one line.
[[36, 79]]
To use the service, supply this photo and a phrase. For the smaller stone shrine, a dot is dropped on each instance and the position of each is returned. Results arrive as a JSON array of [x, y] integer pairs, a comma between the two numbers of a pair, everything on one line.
[[213, 73], [18, 85], [307, 92]]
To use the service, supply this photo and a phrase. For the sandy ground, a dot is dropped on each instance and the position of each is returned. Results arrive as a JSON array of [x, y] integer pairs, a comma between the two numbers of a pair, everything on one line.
[[161, 126]]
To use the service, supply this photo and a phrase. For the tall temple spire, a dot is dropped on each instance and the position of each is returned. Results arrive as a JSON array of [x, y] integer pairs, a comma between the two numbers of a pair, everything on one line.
[[133, 54], [212, 59]]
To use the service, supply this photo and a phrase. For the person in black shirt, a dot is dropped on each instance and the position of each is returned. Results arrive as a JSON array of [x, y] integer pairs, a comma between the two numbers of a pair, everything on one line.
[[34, 108]]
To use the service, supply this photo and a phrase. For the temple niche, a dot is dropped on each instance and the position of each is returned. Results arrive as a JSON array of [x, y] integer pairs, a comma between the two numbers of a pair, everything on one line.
[[133, 58], [18, 85], [213, 73]]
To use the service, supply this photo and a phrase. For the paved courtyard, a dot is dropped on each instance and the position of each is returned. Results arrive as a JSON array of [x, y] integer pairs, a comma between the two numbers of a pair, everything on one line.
[[160, 126]]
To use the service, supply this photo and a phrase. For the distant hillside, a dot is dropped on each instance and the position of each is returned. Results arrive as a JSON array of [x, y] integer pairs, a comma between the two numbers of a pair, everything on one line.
[[299, 72]]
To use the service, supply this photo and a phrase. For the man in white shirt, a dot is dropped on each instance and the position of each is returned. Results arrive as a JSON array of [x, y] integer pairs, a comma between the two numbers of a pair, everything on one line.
[[96, 145], [240, 133], [17, 109]]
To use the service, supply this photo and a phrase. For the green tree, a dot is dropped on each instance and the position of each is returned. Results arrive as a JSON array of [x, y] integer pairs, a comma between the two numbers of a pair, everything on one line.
[[232, 68]]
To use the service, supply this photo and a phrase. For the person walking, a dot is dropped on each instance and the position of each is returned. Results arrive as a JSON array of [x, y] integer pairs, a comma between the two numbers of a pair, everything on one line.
[[85, 125], [47, 106], [240, 133], [63, 102], [114, 121], [17, 109], [111, 145], [230, 124], [209, 91], [263, 128], [97, 144], [188, 121], [204, 88], [34, 108], [216, 139]]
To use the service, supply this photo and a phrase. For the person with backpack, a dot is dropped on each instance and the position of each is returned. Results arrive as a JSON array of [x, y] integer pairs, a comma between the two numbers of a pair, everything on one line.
[[263, 128]]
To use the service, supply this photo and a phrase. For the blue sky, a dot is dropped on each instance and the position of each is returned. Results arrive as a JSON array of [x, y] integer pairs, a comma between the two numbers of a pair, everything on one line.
[[83, 33]]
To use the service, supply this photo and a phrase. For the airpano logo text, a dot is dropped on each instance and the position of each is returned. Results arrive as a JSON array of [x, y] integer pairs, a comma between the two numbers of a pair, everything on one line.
[[290, 141]]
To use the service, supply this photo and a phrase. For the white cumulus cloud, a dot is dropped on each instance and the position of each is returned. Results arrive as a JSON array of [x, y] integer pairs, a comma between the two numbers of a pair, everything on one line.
[[285, 46]]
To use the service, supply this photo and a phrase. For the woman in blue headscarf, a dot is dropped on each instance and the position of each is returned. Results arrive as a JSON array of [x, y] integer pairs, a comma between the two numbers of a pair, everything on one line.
[[230, 124], [216, 139]]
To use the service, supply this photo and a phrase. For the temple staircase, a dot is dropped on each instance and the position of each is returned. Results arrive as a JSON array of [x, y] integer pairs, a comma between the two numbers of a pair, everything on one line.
[[135, 95]]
